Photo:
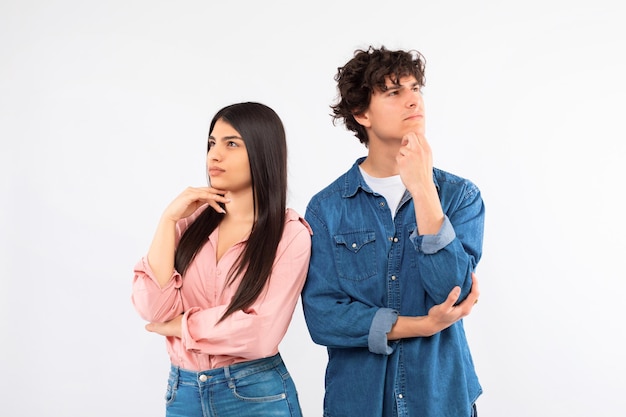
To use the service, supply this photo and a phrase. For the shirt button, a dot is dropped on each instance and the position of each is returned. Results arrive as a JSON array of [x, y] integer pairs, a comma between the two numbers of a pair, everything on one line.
[[393, 277], [354, 245], [382, 204], [203, 378], [400, 396], [395, 239]]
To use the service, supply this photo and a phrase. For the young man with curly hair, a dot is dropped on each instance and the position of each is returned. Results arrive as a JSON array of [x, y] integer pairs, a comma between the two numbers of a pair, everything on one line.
[[394, 248]]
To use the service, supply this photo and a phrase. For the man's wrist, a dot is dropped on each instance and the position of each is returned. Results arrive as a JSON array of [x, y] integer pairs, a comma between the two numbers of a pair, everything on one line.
[[430, 326]]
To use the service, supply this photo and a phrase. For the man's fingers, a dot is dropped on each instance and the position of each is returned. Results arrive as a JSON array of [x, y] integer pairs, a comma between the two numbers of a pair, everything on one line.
[[472, 297], [475, 292], [453, 297]]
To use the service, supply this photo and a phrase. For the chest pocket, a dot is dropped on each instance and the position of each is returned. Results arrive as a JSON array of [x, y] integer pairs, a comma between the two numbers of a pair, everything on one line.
[[355, 255]]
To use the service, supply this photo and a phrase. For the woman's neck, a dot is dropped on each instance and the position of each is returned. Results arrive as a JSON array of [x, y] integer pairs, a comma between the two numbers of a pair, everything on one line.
[[241, 207]]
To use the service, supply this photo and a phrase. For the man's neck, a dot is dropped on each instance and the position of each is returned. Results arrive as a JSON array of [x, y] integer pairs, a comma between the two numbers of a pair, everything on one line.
[[381, 160]]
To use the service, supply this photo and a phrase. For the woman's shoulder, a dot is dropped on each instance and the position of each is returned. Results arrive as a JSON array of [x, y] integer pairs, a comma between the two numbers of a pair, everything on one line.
[[294, 222]]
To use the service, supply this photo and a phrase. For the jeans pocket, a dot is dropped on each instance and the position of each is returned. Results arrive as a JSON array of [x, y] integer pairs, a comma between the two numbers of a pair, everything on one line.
[[265, 386], [172, 386]]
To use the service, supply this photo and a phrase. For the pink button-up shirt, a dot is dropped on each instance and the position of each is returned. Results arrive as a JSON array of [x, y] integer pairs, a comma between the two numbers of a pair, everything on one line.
[[202, 295]]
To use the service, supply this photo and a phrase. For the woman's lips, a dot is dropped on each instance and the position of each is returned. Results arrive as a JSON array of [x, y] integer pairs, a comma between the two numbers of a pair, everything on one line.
[[213, 171]]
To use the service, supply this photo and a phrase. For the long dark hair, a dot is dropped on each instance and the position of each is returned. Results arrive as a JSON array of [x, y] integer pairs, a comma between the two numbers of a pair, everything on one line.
[[264, 135]]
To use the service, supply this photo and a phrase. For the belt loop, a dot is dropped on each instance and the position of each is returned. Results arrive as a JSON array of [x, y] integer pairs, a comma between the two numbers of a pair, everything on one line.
[[176, 378], [229, 379]]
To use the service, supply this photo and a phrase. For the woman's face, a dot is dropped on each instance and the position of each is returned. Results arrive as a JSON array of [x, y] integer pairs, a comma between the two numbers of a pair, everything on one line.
[[227, 160]]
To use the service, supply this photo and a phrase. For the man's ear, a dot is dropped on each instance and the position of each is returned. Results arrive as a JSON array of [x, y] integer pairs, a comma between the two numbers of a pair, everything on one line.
[[362, 119]]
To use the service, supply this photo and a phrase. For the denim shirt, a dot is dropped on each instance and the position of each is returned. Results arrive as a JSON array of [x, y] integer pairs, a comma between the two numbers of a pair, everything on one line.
[[368, 268]]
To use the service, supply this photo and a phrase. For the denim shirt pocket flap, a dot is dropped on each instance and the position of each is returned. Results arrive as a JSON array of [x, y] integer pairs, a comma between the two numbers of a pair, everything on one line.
[[355, 241]]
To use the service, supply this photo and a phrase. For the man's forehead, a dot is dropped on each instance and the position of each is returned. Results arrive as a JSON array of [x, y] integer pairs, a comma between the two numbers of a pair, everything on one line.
[[403, 80], [393, 83]]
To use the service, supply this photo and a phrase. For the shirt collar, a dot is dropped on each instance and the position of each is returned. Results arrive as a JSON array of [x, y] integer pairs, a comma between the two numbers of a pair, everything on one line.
[[354, 180]]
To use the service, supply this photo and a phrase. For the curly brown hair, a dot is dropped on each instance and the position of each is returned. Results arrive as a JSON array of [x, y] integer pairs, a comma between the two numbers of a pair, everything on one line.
[[366, 72]]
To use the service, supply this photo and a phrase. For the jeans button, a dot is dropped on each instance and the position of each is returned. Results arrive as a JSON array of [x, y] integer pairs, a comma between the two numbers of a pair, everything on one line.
[[203, 378]]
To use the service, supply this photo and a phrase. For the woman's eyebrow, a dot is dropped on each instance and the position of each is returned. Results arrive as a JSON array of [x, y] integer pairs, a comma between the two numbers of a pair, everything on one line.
[[230, 137]]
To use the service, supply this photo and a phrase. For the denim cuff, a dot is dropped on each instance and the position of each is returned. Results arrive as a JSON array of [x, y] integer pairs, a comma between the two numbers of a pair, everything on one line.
[[430, 244], [383, 321]]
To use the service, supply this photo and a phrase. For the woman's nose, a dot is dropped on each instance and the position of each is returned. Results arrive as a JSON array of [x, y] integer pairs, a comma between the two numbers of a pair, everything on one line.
[[213, 153]]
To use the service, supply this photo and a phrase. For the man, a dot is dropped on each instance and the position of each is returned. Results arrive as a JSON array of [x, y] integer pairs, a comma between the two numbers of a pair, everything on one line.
[[395, 243]]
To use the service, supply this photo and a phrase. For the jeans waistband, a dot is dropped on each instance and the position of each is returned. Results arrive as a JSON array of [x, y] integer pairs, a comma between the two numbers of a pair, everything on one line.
[[235, 371]]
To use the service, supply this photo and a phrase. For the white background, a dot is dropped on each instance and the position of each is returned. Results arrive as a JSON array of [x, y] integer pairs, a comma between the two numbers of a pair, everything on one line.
[[104, 110]]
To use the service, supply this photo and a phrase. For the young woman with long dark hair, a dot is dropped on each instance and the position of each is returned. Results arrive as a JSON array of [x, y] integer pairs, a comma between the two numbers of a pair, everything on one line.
[[224, 273]]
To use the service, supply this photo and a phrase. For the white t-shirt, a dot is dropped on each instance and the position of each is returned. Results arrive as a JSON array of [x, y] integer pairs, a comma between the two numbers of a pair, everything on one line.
[[391, 188]]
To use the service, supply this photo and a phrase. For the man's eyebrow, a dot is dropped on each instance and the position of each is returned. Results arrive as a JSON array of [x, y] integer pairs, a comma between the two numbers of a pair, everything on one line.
[[394, 86]]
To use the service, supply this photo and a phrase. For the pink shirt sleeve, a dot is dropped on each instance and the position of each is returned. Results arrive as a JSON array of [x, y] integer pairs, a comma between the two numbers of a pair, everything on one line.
[[257, 332], [153, 303]]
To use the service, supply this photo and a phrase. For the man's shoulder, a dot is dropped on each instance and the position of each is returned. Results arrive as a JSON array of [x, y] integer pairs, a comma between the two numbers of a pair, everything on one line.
[[451, 178], [447, 181], [335, 193], [333, 189]]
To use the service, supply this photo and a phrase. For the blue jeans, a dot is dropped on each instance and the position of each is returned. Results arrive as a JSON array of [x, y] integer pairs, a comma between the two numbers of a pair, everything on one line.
[[261, 387]]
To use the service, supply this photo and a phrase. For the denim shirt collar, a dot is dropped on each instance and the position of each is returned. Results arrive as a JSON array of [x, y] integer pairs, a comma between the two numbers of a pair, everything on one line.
[[354, 181]]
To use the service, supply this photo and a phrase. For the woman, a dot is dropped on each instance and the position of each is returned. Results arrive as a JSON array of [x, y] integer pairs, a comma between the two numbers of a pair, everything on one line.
[[224, 272]]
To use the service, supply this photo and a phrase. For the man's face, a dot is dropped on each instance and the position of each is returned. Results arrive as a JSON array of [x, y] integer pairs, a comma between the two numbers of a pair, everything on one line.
[[395, 112]]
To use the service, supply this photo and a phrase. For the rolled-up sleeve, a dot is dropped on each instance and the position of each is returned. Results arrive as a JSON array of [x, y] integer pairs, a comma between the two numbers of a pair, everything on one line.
[[153, 303], [429, 244], [377, 342]]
